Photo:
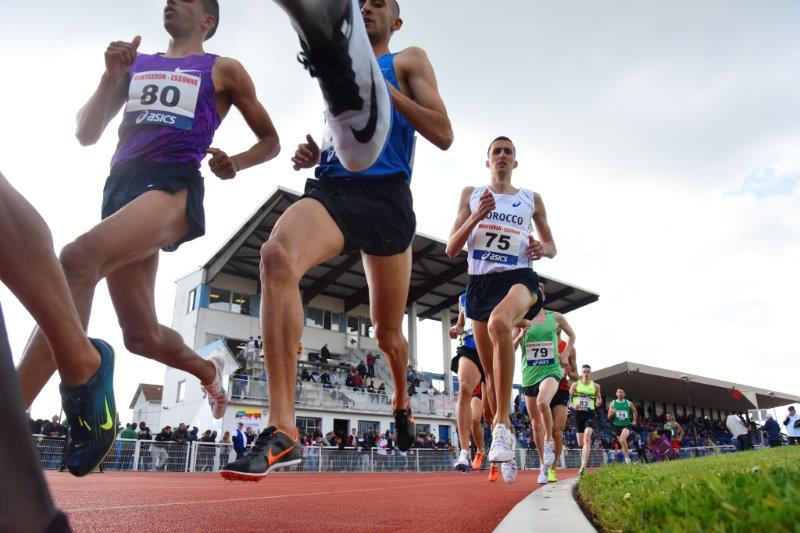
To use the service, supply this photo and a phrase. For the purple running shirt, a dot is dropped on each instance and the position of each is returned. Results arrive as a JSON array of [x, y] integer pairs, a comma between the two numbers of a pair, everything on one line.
[[171, 114]]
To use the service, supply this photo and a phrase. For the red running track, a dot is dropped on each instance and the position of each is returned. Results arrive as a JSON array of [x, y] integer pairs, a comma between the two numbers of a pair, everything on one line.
[[139, 502]]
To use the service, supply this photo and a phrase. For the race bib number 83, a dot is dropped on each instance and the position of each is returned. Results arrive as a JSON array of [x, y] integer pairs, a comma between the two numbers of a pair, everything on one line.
[[540, 353], [163, 98]]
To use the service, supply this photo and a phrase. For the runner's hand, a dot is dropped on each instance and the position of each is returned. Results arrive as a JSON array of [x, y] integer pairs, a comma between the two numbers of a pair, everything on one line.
[[307, 154], [486, 205], [534, 251], [120, 56], [221, 165], [455, 331]]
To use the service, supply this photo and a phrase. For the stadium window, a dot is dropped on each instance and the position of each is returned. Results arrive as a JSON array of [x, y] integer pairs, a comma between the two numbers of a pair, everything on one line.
[[241, 303], [308, 425], [330, 321], [181, 396], [366, 327], [352, 325], [366, 425], [220, 299], [190, 305], [423, 429], [314, 317]]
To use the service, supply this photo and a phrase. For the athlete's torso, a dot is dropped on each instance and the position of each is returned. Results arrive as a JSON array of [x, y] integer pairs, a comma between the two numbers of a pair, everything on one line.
[[466, 338], [540, 351], [397, 158], [622, 413], [498, 242], [584, 397], [171, 112]]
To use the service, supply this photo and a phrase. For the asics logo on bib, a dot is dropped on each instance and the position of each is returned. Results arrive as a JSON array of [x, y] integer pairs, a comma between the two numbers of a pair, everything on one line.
[[155, 118], [504, 217], [516, 204], [497, 258]]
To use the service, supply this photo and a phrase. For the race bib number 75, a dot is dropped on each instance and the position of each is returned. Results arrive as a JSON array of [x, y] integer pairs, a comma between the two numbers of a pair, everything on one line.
[[497, 243], [163, 98]]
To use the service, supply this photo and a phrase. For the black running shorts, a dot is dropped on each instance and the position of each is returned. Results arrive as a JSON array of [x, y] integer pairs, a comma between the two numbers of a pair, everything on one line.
[[618, 429], [131, 179], [584, 419], [486, 291], [472, 355], [561, 398], [376, 216]]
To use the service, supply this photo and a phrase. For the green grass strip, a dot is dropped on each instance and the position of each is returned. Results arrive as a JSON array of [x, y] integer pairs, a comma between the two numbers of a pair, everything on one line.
[[736, 492]]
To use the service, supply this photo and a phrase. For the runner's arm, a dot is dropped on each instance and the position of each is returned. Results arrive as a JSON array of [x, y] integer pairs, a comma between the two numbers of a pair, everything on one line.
[[458, 329], [545, 246], [573, 365], [634, 412], [572, 388], [566, 328], [598, 395], [425, 111], [242, 93], [610, 411], [110, 94], [466, 220], [681, 431]]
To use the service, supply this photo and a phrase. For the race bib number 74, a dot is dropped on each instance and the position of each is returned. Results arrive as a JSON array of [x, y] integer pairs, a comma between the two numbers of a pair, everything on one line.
[[497, 243], [163, 98]]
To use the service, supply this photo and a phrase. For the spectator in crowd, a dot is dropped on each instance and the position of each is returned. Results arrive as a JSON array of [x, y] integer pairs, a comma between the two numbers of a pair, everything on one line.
[[144, 432], [315, 376], [158, 452], [180, 435], [226, 438], [362, 369], [358, 381], [371, 364], [411, 389], [259, 346], [239, 440], [371, 387], [54, 428], [773, 431], [250, 436], [325, 379], [334, 377], [305, 376], [250, 350], [205, 454], [792, 424], [240, 378], [740, 432], [193, 434], [382, 388], [36, 425], [129, 432], [352, 439], [324, 353]]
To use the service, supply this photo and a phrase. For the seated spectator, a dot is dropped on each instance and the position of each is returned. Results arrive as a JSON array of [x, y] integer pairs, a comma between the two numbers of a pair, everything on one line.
[[325, 379], [304, 375], [334, 380], [358, 381], [416, 382], [349, 381], [362, 369], [54, 428], [371, 387], [411, 389], [382, 388], [315, 376], [324, 353]]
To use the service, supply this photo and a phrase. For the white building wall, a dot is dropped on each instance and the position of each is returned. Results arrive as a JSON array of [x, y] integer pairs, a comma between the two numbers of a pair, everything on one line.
[[224, 323], [183, 321], [148, 412]]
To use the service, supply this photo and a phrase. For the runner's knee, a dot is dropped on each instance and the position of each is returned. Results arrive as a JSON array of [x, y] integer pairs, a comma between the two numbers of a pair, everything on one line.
[[499, 326], [79, 263], [390, 340], [277, 266], [142, 342]]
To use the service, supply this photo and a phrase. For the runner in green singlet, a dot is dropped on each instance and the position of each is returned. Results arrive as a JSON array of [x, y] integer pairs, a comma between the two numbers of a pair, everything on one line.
[[623, 415]]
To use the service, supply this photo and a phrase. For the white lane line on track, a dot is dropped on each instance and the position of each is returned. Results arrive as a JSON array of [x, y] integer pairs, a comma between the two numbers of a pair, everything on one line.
[[257, 498]]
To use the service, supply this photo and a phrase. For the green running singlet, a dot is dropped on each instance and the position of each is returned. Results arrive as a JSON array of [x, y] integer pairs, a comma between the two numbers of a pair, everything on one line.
[[539, 351]]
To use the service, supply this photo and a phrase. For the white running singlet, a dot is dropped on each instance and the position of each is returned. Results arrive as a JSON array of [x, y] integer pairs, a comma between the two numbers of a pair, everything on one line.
[[498, 242]]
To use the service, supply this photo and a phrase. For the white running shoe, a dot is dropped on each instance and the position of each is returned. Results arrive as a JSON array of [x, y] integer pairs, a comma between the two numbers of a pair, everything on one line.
[[543, 475], [627, 460], [502, 448], [217, 398], [549, 453], [509, 471], [359, 111], [463, 463]]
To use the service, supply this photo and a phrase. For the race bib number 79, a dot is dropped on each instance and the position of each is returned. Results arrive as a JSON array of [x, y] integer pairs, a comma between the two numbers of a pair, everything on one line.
[[497, 243], [540, 353], [163, 98]]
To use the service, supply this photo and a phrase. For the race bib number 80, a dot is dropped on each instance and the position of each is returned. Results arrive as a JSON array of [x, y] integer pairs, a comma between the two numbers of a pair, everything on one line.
[[540, 353], [163, 98], [497, 243]]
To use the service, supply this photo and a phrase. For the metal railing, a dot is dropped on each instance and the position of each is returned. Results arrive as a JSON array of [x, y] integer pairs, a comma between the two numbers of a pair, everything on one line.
[[155, 456], [316, 395]]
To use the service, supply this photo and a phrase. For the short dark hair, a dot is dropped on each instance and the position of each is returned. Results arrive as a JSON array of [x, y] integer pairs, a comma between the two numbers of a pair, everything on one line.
[[586, 366], [211, 7], [500, 138], [395, 8]]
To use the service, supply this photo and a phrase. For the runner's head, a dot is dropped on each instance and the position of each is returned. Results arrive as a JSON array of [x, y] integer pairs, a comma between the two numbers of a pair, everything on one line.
[[620, 394], [184, 18], [586, 372], [502, 156], [381, 18], [669, 417]]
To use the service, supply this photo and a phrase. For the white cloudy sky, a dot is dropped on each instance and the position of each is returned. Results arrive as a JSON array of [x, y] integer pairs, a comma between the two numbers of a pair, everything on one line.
[[662, 136]]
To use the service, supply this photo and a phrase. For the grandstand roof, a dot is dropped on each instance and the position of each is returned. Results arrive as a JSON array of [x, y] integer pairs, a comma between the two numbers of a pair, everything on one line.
[[436, 280], [651, 384]]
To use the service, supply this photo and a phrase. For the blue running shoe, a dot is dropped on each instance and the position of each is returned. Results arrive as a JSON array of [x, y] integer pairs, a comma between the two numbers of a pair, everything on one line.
[[91, 415]]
